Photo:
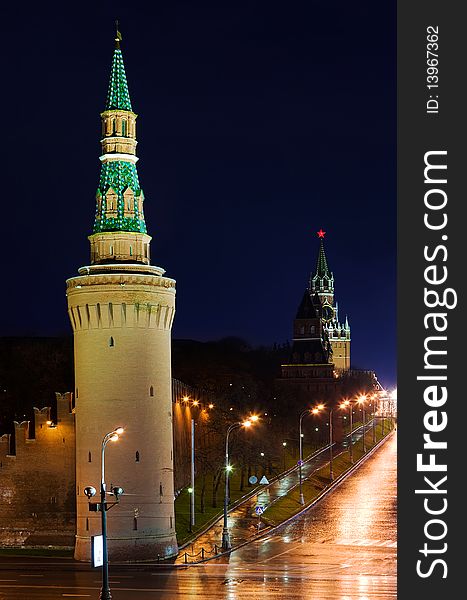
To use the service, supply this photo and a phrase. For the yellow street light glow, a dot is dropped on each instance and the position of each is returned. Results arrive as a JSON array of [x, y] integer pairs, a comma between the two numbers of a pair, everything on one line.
[[114, 437], [190, 490], [254, 418], [119, 430], [211, 405], [229, 467], [195, 402], [48, 422], [185, 398], [343, 405], [284, 443], [315, 411], [320, 406], [246, 424]]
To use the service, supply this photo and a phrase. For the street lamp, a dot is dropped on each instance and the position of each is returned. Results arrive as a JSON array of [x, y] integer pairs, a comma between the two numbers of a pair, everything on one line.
[[300, 446], [315, 411], [226, 545], [109, 437], [344, 405], [361, 400]]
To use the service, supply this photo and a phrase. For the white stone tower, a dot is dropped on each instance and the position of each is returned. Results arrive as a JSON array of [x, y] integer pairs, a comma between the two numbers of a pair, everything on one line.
[[121, 309]]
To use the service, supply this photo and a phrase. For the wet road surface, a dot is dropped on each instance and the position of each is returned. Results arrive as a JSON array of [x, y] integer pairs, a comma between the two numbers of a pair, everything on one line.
[[243, 522], [343, 549]]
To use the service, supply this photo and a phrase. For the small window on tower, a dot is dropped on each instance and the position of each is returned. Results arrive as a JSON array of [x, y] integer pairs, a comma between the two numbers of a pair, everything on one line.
[[89, 457], [137, 456], [111, 342], [151, 391], [124, 128]]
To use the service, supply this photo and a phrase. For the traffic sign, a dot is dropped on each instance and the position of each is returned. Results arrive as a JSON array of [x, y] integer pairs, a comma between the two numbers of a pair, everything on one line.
[[253, 479], [259, 510], [264, 480]]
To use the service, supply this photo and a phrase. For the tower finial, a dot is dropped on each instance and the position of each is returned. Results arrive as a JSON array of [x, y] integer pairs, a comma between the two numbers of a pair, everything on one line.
[[321, 233], [118, 35]]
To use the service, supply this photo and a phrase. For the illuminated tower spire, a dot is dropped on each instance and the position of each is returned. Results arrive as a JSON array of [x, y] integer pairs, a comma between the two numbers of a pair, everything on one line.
[[322, 282], [121, 309], [322, 287], [119, 233]]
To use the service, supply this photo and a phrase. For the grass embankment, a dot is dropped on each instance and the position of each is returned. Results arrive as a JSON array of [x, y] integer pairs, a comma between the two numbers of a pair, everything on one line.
[[288, 460], [288, 505]]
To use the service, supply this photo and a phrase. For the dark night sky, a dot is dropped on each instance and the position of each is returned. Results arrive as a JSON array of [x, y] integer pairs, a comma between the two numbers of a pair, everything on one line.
[[259, 123]]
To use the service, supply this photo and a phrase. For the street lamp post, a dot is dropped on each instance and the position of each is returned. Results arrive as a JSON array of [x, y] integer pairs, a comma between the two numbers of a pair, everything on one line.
[[300, 458], [343, 405], [284, 444], [192, 496], [374, 421], [105, 591], [331, 440], [361, 401], [382, 418], [226, 544]]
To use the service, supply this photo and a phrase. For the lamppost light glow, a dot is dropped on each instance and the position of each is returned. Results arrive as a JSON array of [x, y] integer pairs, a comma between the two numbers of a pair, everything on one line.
[[119, 430], [246, 423], [190, 490], [315, 411], [185, 398], [211, 405], [229, 468], [195, 402], [114, 437], [254, 418]]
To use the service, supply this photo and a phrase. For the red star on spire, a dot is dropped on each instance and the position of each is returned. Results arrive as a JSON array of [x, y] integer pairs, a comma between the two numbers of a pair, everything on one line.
[[321, 233]]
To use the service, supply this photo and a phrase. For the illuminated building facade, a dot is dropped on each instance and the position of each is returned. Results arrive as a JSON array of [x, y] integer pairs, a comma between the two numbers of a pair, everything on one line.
[[121, 309], [321, 344], [322, 286]]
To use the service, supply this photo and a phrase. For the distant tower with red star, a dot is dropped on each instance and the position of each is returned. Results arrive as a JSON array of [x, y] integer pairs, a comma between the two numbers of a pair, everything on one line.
[[321, 286]]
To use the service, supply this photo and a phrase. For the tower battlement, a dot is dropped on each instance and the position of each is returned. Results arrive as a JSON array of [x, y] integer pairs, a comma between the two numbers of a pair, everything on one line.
[[38, 479]]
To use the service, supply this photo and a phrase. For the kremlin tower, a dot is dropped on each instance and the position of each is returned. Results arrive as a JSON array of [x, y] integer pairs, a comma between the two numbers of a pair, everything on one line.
[[121, 309], [322, 286], [321, 344]]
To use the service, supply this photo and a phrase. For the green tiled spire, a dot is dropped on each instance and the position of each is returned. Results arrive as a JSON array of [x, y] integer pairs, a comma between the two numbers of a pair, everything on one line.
[[119, 196], [322, 268], [117, 176], [118, 96]]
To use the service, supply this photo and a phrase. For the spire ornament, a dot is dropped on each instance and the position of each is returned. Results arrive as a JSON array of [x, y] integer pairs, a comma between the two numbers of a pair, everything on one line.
[[118, 36]]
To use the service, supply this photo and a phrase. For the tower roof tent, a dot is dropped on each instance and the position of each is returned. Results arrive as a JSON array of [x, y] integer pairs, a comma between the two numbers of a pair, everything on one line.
[[322, 268], [118, 96], [306, 310]]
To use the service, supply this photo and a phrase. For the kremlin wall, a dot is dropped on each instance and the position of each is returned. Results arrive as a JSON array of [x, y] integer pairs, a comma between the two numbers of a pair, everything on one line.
[[37, 472]]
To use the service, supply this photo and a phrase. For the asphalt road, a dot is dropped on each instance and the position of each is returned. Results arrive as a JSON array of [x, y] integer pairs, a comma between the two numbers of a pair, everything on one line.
[[343, 549]]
